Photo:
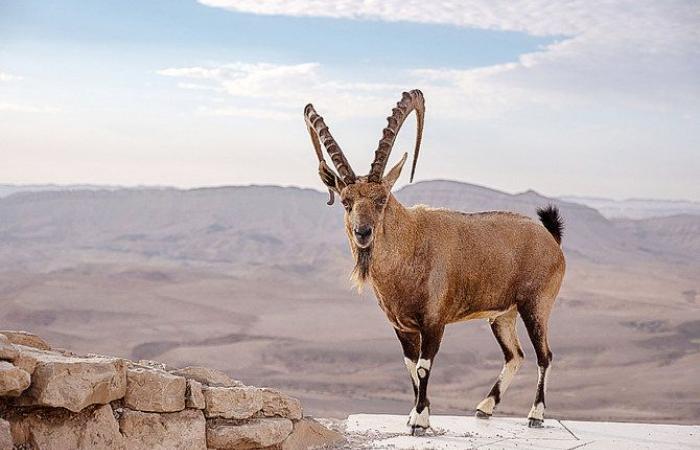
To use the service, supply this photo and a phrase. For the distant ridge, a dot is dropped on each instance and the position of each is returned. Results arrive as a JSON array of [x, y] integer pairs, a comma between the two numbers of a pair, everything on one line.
[[254, 224], [10, 189], [637, 208], [632, 208]]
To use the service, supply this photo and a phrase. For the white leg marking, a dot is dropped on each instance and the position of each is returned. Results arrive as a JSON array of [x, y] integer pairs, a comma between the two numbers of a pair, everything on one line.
[[423, 367], [421, 419], [537, 412], [508, 372], [411, 367], [487, 405]]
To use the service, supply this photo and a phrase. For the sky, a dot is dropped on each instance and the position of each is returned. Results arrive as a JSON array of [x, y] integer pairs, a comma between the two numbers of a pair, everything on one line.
[[584, 97]]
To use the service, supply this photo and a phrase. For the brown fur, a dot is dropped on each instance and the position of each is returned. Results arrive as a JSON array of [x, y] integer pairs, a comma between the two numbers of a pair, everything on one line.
[[431, 267], [439, 266]]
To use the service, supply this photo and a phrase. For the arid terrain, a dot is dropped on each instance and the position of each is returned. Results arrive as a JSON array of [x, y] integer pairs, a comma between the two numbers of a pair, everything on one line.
[[254, 281]]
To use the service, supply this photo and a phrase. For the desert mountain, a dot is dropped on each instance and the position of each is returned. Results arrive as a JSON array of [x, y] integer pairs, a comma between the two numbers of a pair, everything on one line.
[[259, 225]]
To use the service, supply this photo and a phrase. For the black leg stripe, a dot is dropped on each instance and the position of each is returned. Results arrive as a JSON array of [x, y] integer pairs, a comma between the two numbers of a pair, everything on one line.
[[496, 392]]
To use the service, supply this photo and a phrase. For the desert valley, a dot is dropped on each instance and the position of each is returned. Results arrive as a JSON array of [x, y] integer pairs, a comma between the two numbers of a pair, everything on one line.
[[254, 281]]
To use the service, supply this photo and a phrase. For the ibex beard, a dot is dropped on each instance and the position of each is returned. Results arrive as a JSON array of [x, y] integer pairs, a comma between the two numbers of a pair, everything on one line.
[[430, 267]]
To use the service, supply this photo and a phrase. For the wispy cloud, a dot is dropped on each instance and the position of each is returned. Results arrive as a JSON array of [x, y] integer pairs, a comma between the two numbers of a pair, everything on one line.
[[4, 77], [641, 53], [279, 91], [246, 113], [20, 108]]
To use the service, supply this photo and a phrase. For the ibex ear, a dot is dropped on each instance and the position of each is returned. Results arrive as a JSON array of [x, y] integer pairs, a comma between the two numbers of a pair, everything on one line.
[[395, 172], [331, 180]]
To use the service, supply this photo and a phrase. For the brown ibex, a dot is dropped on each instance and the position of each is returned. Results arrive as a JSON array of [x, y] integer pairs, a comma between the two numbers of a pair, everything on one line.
[[431, 267]]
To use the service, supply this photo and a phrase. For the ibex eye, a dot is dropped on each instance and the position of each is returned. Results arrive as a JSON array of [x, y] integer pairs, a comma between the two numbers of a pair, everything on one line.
[[347, 205]]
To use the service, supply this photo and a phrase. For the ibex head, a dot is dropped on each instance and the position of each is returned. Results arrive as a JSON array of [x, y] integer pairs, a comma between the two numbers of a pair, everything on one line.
[[365, 197]]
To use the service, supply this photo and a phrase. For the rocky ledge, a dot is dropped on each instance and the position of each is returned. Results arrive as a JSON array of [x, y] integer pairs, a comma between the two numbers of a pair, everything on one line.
[[53, 399]]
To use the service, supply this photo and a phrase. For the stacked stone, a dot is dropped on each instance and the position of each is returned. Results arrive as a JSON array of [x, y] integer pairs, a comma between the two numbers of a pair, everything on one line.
[[52, 399]]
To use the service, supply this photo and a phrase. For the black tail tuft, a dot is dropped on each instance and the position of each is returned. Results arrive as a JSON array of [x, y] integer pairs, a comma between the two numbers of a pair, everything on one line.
[[552, 221]]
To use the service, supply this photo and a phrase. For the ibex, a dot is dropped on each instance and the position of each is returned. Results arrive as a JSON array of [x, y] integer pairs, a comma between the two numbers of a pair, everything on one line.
[[431, 267]]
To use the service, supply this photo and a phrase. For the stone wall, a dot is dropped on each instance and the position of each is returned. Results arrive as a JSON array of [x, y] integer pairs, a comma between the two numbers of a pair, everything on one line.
[[52, 399]]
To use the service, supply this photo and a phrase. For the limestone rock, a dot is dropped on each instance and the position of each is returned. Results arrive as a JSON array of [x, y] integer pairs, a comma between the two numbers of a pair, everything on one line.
[[25, 338], [149, 389], [5, 435], [232, 402], [74, 382], [7, 350], [25, 360], [207, 376], [310, 434], [152, 364], [183, 430], [276, 403], [93, 428], [13, 380], [194, 398], [256, 433]]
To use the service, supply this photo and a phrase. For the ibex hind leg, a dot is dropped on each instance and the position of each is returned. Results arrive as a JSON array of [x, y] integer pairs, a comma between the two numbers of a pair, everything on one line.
[[535, 315], [504, 330]]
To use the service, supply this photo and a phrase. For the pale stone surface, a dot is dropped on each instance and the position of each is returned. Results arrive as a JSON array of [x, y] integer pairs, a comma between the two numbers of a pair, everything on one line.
[[7, 350], [454, 432], [25, 338], [232, 402], [13, 380], [207, 376], [25, 360], [605, 435], [149, 389], [256, 433], [74, 382], [194, 398], [183, 430], [310, 434], [276, 403], [5, 435], [93, 428]]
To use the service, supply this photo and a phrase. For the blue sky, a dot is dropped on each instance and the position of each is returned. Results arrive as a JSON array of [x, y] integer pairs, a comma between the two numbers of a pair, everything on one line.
[[560, 97]]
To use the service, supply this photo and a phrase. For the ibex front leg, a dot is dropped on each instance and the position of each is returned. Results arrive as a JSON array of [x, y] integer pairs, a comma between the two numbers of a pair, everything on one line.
[[419, 420], [410, 343]]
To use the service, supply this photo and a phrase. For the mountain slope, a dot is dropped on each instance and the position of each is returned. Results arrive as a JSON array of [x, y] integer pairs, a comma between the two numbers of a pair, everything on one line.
[[254, 225]]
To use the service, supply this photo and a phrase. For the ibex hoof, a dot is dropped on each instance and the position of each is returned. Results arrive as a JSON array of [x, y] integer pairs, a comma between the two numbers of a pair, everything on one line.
[[417, 430], [535, 423], [482, 415]]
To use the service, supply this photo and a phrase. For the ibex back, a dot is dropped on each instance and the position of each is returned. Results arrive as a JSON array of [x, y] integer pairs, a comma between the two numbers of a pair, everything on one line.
[[430, 267]]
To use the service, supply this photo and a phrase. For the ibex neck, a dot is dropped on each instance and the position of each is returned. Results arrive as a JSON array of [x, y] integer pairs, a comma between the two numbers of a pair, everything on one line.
[[397, 234]]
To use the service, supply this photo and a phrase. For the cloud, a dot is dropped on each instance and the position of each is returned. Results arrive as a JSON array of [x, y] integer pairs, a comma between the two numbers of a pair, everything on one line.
[[639, 53], [15, 107], [247, 113], [279, 91], [4, 77]]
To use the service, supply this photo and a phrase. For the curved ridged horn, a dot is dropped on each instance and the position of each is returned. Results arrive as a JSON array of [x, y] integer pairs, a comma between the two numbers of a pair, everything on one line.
[[321, 135], [410, 101]]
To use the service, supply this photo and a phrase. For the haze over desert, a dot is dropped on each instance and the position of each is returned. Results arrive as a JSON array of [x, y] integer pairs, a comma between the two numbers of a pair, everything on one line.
[[254, 280]]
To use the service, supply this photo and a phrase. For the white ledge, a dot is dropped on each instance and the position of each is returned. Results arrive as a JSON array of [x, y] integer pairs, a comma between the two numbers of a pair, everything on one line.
[[457, 432]]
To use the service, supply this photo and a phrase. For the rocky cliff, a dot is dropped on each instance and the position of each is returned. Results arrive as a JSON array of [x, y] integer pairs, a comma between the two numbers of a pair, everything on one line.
[[53, 399]]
